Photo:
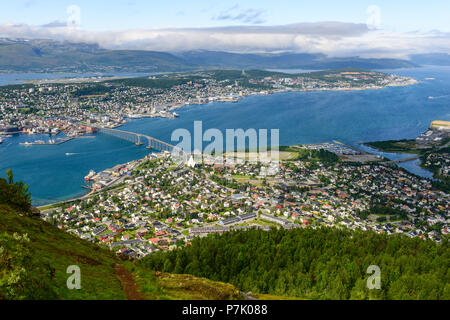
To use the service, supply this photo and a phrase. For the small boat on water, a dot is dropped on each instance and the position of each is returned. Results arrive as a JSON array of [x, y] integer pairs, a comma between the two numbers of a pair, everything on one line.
[[430, 98]]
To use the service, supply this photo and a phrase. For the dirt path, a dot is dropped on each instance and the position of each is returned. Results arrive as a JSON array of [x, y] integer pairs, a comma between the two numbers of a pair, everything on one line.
[[247, 296], [128, 284]]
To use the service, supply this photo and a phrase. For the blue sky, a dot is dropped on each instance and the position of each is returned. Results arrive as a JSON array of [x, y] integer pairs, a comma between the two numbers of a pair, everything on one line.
[[372, 28], [97, 15]]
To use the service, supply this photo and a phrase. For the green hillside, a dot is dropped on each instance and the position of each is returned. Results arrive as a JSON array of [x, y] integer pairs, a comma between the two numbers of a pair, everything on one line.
[[34, 257], [53, 56], [45, 258], [300, 263]]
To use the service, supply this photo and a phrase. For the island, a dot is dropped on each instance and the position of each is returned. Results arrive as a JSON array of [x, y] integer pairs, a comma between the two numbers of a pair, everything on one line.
[[77, 107]]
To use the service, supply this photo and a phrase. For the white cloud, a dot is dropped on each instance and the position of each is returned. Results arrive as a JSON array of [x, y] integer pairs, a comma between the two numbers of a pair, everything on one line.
[[331, 38], [55, 24], [252, 16]]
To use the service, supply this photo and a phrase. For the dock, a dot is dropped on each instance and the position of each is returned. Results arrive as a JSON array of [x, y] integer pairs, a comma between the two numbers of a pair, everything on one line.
[[45, 143], [350, 147], [56, 143]]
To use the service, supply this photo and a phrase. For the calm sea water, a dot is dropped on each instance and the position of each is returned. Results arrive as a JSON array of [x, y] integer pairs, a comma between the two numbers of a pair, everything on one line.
[[302, 117]]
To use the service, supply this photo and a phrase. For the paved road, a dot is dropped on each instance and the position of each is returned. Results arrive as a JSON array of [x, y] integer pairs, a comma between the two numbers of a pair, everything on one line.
[[90, 194]]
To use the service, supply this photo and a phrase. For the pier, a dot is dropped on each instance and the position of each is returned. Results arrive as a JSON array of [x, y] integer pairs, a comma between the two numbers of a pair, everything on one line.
[[46, 143], [350, 147]]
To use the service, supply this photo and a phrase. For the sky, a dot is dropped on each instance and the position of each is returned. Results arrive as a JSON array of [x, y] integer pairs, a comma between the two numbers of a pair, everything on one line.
[[378, 28]]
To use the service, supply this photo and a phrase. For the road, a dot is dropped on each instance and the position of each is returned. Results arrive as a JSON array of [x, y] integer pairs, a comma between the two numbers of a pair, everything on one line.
[[90, 194]]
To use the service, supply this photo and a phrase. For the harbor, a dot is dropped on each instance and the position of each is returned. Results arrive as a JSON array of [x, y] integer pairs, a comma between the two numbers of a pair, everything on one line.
[[43, 143], [53, 176], [52, 142]]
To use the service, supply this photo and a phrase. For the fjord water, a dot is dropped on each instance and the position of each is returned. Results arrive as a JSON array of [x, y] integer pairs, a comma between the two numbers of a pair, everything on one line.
[[302, 117]]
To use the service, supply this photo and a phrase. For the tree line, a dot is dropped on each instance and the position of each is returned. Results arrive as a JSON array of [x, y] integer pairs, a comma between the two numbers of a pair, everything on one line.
[[325, 263], [15, 194]]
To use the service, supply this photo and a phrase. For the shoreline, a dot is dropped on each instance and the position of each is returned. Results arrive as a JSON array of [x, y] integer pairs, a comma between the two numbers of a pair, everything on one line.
[[416, 150], [92, 192], [411, 82], [237, 99]]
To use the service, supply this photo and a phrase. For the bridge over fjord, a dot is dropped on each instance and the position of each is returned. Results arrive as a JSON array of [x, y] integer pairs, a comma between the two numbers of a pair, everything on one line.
[[139, 139]]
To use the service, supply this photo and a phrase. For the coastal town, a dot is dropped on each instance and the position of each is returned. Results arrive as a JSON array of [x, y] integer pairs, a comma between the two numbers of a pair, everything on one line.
[[156, 203], [77, 108], [216, 158]]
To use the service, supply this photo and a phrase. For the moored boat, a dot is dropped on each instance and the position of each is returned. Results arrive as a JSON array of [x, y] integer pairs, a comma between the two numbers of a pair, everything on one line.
[[90, 175]]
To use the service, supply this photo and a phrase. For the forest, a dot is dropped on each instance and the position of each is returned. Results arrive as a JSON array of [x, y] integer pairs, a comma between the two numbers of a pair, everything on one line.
[[323, 263], [96, 89]]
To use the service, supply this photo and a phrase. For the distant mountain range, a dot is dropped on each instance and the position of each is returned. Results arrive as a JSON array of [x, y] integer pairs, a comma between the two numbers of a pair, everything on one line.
[[436, 59], [53, 56], [288, 61]]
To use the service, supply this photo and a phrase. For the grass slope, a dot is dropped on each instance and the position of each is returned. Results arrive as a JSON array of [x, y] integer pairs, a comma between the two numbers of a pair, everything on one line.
[[167, 286], [54, 250], [50, 251]]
